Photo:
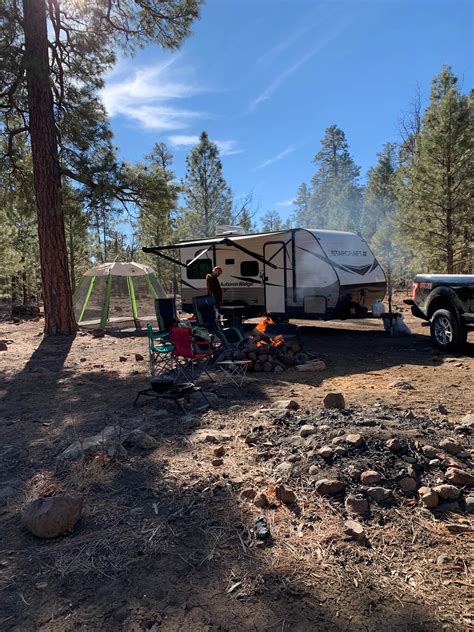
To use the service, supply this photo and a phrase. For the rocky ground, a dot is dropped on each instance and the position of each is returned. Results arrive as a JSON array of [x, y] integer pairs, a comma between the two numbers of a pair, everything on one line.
[[267, 512]]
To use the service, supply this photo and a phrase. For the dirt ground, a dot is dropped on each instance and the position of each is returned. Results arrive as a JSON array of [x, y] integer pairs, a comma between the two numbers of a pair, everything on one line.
[[166, 539]]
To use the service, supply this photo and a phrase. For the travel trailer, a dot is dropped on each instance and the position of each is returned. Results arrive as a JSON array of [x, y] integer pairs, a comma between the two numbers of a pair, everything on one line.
[[303, 273]]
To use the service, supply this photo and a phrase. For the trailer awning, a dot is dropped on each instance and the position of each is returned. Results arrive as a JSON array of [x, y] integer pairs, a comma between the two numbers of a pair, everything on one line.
[[207, 244]]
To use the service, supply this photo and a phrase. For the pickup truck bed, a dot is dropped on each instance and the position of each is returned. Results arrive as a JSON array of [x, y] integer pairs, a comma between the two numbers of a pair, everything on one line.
[[447, 302]]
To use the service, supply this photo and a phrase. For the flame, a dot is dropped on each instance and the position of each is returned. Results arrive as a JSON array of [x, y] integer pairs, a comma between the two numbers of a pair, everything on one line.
[[264, 323], [278, 341]]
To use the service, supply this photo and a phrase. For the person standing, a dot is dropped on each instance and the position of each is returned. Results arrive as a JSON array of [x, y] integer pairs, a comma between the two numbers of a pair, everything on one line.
[[213, 285]]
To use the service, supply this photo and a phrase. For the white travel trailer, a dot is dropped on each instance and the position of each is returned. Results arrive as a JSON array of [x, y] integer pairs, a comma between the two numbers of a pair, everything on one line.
[[304, 273]]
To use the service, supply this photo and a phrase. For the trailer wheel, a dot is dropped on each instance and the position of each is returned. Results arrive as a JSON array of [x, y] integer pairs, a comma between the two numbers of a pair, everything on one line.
[[447, 333]]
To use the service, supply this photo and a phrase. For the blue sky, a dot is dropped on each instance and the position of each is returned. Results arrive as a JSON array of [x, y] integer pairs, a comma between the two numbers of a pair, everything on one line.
[[265, 78]]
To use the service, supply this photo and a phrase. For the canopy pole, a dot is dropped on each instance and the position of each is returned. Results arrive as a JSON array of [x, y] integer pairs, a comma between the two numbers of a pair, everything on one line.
[[87, 297], [105, 307], [133, 302]]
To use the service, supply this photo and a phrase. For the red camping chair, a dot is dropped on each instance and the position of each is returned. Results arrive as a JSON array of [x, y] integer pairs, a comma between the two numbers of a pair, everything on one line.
[[192, 356]]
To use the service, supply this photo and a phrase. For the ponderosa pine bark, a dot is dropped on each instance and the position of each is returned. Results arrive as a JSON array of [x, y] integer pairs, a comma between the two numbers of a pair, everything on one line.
[[57, 295]]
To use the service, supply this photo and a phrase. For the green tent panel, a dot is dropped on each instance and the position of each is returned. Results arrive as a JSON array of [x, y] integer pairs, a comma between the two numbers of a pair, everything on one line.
[[117, 295]]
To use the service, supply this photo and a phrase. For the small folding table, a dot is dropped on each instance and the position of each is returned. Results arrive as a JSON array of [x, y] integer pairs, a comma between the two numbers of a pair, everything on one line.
[[233, 371]]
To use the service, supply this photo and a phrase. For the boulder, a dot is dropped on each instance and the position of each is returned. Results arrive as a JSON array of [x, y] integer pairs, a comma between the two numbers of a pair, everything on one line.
[[285, 495], [52, 516], [459, 477], [394, 445], [354, 530], [408, 484], [334, 400], [356, 440], [357, 504], [430, 451], [428, 497], [140, 439], [379, 494], [328, 487], [447, 492], [307, 430], [370, 477], [451, 446], [260, 500]]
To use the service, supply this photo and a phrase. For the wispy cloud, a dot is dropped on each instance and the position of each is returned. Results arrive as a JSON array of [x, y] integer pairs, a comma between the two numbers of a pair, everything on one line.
[[273, 86], [148, 95], [285, 203], [226, 147], [276, 158]]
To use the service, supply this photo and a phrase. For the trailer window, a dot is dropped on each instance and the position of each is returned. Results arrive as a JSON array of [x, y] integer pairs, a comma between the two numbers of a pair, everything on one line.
[[199, 268], [229, 262], [249, 268]]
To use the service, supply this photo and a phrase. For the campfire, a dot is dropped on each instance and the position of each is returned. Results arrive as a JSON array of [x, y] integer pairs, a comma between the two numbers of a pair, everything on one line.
[[270, 352]]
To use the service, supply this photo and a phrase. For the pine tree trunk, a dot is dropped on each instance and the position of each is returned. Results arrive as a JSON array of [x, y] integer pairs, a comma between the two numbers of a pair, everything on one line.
[[57, 296]]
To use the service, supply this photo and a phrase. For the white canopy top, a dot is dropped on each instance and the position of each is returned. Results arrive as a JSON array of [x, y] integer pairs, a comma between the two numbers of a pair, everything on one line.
[[119, 269]]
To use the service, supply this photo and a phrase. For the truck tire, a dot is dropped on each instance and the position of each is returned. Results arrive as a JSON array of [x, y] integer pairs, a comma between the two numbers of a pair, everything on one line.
[[447, 333]]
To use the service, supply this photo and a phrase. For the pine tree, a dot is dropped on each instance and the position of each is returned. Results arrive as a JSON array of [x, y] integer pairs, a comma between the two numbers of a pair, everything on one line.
[[437, 212], [271, 221], [336, 195], [208, 196], [302, 206], [49, 54], [380, 195]]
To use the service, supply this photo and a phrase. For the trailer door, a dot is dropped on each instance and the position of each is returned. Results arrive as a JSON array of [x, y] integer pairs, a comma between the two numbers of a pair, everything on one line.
[[275, 278]]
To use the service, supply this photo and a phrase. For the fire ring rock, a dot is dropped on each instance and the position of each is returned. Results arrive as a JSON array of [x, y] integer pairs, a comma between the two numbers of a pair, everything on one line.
[[334, 400], [52, 516]]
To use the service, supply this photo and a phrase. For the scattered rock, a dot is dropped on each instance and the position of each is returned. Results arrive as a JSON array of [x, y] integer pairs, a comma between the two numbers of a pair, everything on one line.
[[394, 445], [429, 497], [325, 452], [459, 477], [260, 500], [340, 450], [261, 529], [123, 358], [294, 458], [82, 359], [430, 451], [447, 492], [98, 333], [379, 494], [435, 462], [41, 585], [440, 409], [217, 462], [403, 385], [354, 530], [408, 484], [355, 472], [307, 430], [285, 495], [356, 440], [210, 435], [443, 559], [235, 408], [108, 442], [3, 346], [357, 504], [468, 420], [311, 367], [334, 400], [328, 487], [313, 470], [284, 469], [248, 493], [370, 477], [219, 451], [287, 404], [52, 516], [139, 357], [139, 439], [450, 505], [451, 446], [469, 502]]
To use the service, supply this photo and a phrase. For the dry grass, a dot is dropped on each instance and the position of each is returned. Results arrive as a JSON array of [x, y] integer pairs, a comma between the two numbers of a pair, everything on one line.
[[97, 472]]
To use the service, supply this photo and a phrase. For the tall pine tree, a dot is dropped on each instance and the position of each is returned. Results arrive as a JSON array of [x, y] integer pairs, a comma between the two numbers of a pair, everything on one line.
[[207, 194], [437, 211]]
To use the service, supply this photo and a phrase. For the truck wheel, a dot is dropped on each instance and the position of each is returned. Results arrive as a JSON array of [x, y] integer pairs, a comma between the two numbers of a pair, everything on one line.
[[447, 333]]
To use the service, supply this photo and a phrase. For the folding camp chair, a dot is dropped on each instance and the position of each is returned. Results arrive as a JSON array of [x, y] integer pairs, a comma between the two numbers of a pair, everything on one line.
[[204, 308], [165, 309], [160, 349], [192, 356]]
